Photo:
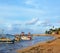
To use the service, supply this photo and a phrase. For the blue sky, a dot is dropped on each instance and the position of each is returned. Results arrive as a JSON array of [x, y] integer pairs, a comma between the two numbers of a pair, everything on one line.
[[33, 16]]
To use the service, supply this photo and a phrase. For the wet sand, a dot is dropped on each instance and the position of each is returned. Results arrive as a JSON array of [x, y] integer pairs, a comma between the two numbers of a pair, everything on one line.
[[47, 47]]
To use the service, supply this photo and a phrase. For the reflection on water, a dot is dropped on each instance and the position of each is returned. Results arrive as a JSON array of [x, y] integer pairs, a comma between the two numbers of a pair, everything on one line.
[[11, 48]]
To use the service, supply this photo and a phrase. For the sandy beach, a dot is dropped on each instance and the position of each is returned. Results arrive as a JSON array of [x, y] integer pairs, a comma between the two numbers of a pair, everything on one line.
[[45, 47]]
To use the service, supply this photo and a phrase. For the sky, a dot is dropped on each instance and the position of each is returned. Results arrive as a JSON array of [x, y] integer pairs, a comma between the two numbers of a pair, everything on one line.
[[35, 16]]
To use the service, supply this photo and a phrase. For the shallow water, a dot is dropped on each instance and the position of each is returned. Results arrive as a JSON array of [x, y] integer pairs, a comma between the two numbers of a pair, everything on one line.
[[11, 48]]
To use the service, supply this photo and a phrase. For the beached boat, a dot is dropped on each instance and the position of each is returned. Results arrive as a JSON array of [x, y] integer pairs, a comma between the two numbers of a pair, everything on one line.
[[26, 38], [6, 40], [17, 38]]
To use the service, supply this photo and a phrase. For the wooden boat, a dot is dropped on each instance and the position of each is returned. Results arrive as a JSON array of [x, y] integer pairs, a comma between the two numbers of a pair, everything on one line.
[[6, 40], [26, 38], [17, 38]]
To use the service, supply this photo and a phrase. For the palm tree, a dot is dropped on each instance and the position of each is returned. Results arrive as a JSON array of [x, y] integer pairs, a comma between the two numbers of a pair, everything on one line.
[[56, 31], [51, 29], [46, 32]]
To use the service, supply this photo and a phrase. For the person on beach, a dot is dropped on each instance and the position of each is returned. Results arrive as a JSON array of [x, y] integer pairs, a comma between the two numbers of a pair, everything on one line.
[[29, 35], [22, 34]]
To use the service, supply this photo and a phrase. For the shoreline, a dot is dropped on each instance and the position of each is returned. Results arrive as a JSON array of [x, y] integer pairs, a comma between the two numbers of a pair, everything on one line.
[[42, 47]]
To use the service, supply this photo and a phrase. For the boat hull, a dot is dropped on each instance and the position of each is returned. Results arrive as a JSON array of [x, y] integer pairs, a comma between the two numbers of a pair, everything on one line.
[[6, 40], [25, 38]]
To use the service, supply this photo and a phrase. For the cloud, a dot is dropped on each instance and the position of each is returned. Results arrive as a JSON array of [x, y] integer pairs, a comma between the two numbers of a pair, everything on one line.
[[44, 23], [16, 28], [11, 13], [39, 23], [8, 26], [33, 21], [28, 2], [32, 3]]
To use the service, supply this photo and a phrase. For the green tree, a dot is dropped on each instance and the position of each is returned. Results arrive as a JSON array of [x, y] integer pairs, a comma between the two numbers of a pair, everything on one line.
[[46, 32], [58, 29]]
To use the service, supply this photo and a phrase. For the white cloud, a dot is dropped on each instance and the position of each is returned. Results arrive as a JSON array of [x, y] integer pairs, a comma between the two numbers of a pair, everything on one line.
[[43, 23], [15, 12], [39, 23], [28, 2], [2, 21], [33, 21], [32, 3], [8, 26], [16, 22]]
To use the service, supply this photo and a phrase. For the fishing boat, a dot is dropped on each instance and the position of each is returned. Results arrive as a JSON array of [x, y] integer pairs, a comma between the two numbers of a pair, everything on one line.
[[6, 40], [17, 38], [26, 37]]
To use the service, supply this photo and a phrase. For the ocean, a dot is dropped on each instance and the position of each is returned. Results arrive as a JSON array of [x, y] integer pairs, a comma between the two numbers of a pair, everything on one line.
[[11, 48]]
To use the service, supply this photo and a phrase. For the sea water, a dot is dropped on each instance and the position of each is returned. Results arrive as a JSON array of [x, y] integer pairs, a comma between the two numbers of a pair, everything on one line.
[[11, 48]]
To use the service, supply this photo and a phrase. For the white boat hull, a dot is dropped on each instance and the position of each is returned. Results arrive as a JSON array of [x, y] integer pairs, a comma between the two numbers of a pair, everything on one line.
[[25, 38]]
